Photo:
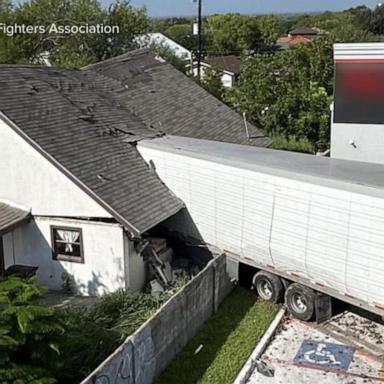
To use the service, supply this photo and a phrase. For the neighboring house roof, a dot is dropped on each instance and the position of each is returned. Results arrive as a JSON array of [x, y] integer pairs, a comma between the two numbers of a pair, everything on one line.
[[148, 39], [228, 63], [302, 31], [299, 40], [11, 217], [289, 41], [168, 101], [73, 119]]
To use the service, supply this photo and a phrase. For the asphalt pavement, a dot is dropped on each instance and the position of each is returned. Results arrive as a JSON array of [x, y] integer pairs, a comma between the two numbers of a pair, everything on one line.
[[348, 349]]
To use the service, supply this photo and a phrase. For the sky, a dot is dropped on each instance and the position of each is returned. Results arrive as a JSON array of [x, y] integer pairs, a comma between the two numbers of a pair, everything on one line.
[[160, 8]]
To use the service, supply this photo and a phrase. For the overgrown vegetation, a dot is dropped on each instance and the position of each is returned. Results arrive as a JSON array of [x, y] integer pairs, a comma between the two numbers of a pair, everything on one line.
[[29, 335], [227, 340], [40, 345], [94, 333]]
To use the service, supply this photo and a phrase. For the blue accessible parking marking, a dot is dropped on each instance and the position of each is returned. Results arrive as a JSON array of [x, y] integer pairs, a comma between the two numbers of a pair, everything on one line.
[[325, 355]]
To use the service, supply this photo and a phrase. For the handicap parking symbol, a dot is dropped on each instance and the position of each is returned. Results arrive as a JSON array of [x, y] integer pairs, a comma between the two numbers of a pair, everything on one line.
[[325, 355]]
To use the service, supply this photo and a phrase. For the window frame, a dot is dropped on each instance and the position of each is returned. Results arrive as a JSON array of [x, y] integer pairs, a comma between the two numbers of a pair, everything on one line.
[[60, 257]]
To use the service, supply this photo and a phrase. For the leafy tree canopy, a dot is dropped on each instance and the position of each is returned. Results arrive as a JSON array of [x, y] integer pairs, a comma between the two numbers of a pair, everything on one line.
[[71, 50], [233, 33], [182, 34], [287, 93], [211, 81]]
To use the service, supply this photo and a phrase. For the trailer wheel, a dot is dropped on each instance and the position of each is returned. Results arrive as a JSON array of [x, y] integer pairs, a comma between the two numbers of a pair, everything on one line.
[[300, 301], [268, 286]]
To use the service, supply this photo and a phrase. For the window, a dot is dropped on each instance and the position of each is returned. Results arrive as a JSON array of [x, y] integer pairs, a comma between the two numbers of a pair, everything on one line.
[[67, 244]]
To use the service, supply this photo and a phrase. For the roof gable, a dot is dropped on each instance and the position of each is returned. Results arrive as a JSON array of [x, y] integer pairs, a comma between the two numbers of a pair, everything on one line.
[[79, 125]]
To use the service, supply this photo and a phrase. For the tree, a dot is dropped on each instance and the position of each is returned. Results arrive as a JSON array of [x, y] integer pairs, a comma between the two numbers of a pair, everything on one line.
[[377, 20], [182, 34], [29, 334], [362, 16], [66, 49], [212, 81], [169, 56], [233, 33], [269, 27], [289, 93], [5, 6]]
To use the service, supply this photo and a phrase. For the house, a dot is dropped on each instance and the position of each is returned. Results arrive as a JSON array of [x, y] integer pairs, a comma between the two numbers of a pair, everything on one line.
[[307, 32], [156, 38], [301, 35], [230, 66], [76, 198], [170, 102]]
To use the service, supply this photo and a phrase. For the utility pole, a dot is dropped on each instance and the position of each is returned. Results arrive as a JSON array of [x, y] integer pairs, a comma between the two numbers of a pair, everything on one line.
[[199, 36], [200, 43]]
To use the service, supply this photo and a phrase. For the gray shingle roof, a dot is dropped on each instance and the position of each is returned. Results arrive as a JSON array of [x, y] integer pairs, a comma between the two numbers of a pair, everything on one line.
[[73, 118], [229, 63], [167, 100], [10, 217]]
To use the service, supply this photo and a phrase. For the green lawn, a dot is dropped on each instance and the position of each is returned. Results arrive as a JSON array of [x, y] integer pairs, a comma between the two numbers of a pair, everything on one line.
[[228, 339]]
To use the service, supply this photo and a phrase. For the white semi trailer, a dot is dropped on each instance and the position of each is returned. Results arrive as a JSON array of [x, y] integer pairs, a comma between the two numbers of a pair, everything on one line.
[[311, 227]]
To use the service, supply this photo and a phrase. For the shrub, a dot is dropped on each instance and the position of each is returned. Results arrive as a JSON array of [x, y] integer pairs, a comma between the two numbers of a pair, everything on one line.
[[40, 345], [29, 334], [292, 144]]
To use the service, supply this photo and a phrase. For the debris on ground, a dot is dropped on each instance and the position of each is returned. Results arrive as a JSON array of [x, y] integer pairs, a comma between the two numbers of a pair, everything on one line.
[[164, 267]]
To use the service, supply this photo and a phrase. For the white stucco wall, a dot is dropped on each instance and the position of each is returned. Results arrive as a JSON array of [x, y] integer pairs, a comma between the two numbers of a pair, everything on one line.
[[103, 243], [227, 80], [30, 181], [359, 142]]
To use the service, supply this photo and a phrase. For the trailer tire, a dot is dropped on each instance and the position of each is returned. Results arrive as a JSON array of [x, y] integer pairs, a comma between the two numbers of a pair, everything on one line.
[[300, 301], [268, 286]]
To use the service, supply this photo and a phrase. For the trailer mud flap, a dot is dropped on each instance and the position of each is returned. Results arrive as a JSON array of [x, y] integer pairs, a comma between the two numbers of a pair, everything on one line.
[[323, 307]]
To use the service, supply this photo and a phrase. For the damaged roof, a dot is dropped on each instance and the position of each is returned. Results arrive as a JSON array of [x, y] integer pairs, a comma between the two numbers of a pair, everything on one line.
[[11, 217], [73, 119], [170, 102]]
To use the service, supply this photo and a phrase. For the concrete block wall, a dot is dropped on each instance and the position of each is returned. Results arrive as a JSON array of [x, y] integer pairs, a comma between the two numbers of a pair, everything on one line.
[[146, 353]]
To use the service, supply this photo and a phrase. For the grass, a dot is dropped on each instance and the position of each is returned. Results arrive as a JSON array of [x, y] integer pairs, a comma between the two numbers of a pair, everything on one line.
[[228, 339]]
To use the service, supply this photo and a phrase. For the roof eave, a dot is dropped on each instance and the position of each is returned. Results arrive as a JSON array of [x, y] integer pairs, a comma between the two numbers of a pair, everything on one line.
[[16, 223]]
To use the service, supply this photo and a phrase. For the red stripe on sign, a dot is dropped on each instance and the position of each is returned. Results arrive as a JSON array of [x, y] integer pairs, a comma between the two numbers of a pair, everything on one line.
[[247, 258], [348, 295], [320, 284], [271, 266], [295, 274], [381, 307], [359, 61]]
